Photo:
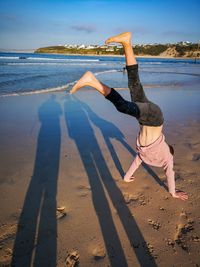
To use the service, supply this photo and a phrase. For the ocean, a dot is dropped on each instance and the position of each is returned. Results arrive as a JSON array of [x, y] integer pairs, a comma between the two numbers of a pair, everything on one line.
[[29, 73]]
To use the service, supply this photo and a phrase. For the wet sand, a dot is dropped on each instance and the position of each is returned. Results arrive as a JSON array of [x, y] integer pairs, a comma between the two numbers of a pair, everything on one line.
[[58, 150]]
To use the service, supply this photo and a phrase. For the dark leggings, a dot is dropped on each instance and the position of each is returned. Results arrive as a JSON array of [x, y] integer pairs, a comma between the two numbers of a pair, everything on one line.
[[146, 112]]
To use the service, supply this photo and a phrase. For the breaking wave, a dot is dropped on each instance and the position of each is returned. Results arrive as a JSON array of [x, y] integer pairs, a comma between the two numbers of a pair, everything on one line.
[[52, 89]]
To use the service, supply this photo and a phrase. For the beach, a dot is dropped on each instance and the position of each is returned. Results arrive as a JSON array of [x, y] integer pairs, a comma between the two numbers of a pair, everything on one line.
[[65, 199], [69, 153], [63, 158]]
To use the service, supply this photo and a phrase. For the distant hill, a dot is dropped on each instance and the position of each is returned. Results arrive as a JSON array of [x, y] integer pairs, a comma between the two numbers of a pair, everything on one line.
[[168, 50]]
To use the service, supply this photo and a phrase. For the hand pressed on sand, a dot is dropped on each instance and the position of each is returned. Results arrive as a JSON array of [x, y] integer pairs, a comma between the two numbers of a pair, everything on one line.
[[130, 179], [180, 195]]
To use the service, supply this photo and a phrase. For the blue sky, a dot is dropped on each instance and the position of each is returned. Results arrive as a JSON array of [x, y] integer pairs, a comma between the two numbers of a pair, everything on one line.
[[29, 24]]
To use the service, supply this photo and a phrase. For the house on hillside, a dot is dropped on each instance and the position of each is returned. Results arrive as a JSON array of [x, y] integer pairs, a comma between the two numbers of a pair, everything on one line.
[[90, 47], [82, 46]]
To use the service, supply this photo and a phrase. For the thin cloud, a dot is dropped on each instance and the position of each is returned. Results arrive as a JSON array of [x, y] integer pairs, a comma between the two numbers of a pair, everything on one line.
[[9, 18], [84, 28]]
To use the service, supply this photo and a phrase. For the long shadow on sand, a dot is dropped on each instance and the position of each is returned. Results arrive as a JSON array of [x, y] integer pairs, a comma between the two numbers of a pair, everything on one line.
[[35, 243], [80, 130]]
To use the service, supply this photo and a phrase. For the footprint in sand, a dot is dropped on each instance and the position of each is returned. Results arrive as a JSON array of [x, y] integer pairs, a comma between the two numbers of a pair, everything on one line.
[[196, 157], [7, 235], [184, 226], [99, 252], [150, 250], [129, 198], [137, 199], [196, 145], [83, 190], [7, 232], [72, 259], [155, 224], [84, 187]]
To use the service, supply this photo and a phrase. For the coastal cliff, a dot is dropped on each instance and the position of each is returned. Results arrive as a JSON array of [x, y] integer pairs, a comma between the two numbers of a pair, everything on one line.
[[162, 50]]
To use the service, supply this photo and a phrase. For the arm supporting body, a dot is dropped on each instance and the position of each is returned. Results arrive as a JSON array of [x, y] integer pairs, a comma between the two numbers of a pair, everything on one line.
[[134, 166]]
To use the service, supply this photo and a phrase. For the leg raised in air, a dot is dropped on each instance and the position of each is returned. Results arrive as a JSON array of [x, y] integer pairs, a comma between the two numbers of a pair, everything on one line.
[[88, 79]]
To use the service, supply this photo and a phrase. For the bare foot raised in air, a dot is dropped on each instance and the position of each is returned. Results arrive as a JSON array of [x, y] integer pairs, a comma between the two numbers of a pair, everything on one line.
[[123, 38], [88, 79]]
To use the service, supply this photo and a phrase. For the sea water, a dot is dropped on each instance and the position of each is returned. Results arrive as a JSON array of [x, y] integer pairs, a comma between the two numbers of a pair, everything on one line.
[[29, 73]]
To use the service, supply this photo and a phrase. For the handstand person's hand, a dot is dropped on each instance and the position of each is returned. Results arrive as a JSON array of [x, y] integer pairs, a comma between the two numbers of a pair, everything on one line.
[[180, 194], [130, 179]]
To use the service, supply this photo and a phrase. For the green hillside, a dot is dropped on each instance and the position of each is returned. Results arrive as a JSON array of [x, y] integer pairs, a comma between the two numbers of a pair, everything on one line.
[[173, 50]]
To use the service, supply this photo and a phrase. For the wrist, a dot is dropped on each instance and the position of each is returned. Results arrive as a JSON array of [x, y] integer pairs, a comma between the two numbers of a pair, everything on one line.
[[173, 193]]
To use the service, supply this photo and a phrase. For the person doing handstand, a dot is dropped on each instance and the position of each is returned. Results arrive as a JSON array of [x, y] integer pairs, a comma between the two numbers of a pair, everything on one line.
[[151, 146]]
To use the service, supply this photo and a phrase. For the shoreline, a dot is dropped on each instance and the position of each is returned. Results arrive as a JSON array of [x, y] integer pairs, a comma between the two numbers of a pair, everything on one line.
[[108, 55]]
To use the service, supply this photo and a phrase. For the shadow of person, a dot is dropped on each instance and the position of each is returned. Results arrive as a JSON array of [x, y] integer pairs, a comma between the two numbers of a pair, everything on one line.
[[81, 131], [110, 131], [35, 242]]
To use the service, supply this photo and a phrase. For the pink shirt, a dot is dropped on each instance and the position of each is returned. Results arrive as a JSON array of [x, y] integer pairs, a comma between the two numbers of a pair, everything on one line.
[[156, 154]]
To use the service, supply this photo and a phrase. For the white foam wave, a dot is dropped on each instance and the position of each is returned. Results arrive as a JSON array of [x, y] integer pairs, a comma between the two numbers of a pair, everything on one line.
[[54, 63], [53, 89], [151, 63], [86, 64], [40, 91], [52, 59], [106, 71], [64, 59], [1, 57]]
